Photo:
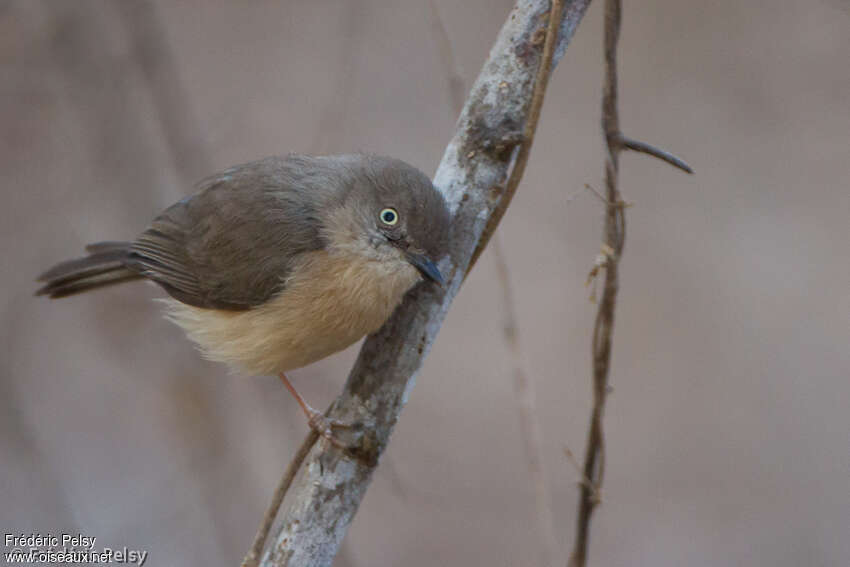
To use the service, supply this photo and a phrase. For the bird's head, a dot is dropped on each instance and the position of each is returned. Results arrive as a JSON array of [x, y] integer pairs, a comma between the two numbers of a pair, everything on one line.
[[390, 212]]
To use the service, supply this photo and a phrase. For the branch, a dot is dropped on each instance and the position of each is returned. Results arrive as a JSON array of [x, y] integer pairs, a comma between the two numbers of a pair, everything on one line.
[[614, 238], [612, 249], [253, 557], [473, 176], [544, 70], [643, 147]]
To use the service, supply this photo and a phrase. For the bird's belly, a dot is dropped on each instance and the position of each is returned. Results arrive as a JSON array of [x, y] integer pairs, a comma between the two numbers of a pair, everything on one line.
[[331, 304]]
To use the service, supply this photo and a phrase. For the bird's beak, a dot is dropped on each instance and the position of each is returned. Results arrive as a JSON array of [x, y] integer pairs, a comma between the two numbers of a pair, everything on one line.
[[425, 266]]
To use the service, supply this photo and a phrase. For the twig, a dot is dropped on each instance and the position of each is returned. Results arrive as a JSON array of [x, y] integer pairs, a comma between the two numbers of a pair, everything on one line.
[[663, 155], [331, 484], [252, 559], [454, 78], [612, 249], [575, 194], [523, 386], [526, 407], [584, 480], [541, 81], [614, 237], [595, 191]]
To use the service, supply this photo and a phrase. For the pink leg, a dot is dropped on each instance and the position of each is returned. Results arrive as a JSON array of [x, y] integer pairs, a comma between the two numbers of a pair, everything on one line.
[[315, 419]]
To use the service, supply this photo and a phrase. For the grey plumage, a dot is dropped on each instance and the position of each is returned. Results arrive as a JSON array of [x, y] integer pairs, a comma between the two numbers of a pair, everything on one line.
[[233, 244]]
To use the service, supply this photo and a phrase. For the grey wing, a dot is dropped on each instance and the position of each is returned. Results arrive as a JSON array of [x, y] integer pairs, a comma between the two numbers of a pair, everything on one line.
[[231, 245]]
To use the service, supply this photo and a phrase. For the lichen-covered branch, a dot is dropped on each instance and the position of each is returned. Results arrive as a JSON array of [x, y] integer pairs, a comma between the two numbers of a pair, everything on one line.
[[473, 176]]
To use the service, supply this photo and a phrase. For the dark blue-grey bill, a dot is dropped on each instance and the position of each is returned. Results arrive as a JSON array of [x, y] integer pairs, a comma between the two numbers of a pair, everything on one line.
[[426, 267]]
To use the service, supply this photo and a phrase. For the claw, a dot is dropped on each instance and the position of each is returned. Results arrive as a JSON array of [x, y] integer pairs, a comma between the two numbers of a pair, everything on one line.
[[317, 421], [324, 427]]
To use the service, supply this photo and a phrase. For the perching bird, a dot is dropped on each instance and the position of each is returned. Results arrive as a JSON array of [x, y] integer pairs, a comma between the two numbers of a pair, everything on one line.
[[280, 262]]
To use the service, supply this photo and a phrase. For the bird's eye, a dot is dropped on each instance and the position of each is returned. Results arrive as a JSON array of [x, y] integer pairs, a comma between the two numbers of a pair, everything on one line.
[[389, 216]]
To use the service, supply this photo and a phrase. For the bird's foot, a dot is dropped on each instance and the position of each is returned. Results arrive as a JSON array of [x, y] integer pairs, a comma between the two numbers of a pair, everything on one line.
[[324, 426], [318, 421]]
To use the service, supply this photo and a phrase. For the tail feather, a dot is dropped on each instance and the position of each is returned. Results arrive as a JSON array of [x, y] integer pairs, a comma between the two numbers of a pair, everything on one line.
[[97, 247], [105, 265], [79, 267]]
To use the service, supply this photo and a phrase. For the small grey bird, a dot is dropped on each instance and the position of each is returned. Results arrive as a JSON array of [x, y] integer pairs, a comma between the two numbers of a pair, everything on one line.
[[280, 262]]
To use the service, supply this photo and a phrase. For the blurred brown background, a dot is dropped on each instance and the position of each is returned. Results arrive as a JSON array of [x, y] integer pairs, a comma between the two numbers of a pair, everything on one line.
[[728, 429]]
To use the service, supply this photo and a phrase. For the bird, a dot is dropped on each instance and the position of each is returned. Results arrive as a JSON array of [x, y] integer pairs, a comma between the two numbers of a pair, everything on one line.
[[274, 264]]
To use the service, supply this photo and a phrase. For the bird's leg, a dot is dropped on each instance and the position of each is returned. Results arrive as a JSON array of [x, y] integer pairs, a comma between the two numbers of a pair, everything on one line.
[[315, 419]]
